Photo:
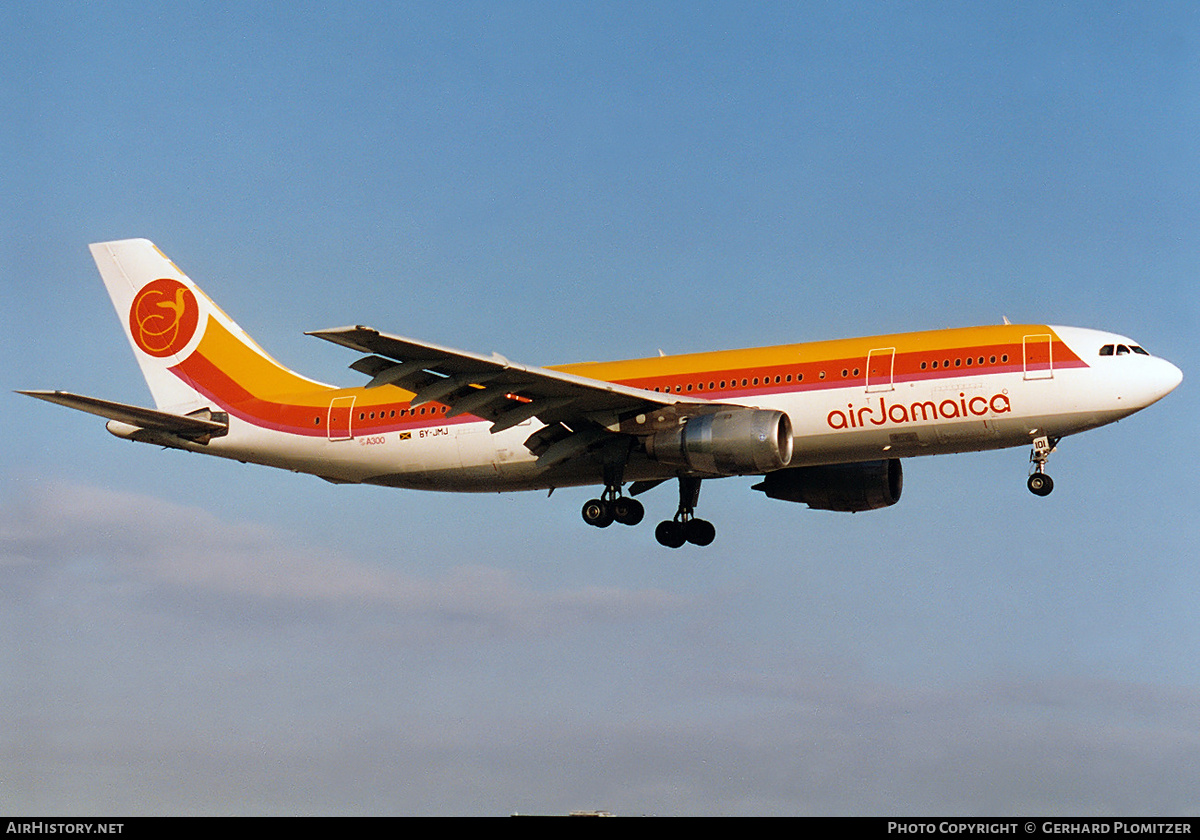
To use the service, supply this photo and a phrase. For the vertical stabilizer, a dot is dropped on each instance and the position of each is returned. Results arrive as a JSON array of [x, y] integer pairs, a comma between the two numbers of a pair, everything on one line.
[[190, 352], [160, 309]]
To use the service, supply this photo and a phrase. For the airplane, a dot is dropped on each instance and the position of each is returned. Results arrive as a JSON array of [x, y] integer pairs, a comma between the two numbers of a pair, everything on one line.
[[823, 423]]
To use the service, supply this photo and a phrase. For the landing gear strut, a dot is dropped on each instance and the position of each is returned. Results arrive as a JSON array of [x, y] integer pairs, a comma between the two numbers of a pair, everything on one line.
[[1039, 483], [685, 527], [612, 506]]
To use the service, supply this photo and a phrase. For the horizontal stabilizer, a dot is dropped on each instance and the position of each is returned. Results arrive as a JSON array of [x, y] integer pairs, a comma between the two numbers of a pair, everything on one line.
[[194, 425]]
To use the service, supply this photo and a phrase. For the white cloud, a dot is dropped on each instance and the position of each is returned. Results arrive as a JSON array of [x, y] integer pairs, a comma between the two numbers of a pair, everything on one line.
[[160, 660], [190, 551]]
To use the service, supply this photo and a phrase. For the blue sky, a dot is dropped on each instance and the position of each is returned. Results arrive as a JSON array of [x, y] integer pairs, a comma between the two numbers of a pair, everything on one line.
[[567, 182]]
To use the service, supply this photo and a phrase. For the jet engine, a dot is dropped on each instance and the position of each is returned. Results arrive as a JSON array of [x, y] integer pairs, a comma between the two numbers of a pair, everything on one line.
[[842, 487], [734, 441]]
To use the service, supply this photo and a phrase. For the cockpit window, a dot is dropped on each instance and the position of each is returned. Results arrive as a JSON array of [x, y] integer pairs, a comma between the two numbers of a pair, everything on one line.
[[1122, 350]]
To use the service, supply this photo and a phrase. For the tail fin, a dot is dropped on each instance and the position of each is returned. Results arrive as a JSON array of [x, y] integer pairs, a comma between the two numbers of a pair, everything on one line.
[[190, 352]]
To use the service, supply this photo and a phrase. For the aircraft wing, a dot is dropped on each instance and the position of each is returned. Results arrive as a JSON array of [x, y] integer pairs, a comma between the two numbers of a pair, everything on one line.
[[183, 425], [583, 411]]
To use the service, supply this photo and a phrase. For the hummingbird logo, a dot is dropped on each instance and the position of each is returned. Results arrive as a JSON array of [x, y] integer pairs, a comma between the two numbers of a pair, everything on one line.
[[163, 317]]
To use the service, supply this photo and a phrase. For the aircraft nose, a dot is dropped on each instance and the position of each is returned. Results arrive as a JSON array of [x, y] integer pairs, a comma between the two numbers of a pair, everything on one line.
[[1145, 382], [1167, 378]]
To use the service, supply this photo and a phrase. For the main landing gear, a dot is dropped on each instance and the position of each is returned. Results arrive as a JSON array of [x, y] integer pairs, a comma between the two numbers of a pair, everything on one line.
[[685, 527], [612, 507], [1039, 483]]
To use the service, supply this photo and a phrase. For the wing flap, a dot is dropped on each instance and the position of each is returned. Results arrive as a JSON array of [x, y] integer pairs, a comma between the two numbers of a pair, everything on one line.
[[456, 377], [579, 413]]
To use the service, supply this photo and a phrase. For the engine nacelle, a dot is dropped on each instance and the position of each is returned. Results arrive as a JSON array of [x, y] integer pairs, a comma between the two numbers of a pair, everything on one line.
[[735, 441], [841, 487]]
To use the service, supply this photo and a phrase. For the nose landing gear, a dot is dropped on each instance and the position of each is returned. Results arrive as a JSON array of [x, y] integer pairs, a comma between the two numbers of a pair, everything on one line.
[[1039, 483]]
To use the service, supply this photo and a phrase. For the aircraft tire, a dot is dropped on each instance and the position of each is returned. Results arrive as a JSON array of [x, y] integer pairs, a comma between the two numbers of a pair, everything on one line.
[[597, 513], [699, 532], [670, 534], [1040, 484], [628, 511]]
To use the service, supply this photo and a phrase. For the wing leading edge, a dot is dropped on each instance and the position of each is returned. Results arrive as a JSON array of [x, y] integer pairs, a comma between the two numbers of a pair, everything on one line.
[[580, 413]]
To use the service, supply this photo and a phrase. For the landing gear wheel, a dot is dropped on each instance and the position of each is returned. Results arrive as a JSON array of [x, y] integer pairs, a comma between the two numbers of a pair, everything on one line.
[[1040, 484], [627, 511], [670, 534], [597, 513], [685, 527], [699, 531]]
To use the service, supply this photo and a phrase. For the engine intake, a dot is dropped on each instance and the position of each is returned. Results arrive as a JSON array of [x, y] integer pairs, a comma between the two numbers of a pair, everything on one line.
[[841, 487], [731, 442]]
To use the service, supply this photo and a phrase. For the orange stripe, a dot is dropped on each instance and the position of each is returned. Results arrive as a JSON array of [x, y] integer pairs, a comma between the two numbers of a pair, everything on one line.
[[932, 343], [267, 394]]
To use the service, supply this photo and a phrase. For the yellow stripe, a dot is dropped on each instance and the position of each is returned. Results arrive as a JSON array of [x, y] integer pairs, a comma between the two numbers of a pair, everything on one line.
[[267, 379], [932, 341], [251, 368]]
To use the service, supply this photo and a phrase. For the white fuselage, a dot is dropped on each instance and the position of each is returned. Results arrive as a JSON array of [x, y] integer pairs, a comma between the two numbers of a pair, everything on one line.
[[974, 409]]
